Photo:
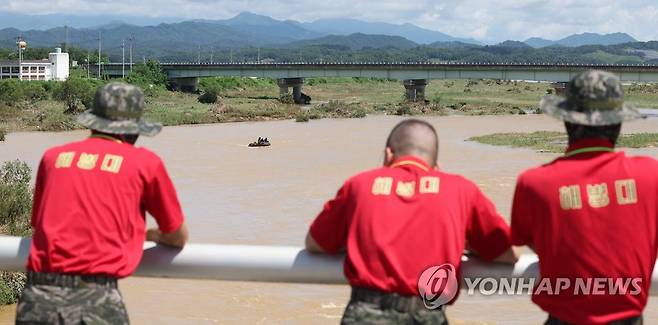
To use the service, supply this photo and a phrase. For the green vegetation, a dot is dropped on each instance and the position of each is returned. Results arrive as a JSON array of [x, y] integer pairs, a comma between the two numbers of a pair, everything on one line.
[[149, 77], [52, 106], [15, 211], [76, 93], [549, 141], [302, 117], [2, 134]]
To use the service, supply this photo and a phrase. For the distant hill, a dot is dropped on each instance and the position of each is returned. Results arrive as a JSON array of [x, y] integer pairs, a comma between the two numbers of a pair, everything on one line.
[[266, 26], [582, 39], [343, 26], [357, 41], [43, 22], [451, 45], [515, 44], [538, 42], [245, 22]]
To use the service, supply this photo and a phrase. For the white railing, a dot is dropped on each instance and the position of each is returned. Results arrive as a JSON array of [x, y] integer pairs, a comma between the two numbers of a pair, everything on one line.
[[263, 263]]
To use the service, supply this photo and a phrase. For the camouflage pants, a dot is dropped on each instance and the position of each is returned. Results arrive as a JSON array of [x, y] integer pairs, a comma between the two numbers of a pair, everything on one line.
[[360, 312], [49, 304]]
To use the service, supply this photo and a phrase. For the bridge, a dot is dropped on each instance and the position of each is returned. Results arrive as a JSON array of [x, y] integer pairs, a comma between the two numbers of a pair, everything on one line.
[[415, 76]]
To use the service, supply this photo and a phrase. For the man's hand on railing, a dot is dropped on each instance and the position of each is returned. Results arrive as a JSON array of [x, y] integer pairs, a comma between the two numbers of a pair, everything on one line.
[[176, 238]]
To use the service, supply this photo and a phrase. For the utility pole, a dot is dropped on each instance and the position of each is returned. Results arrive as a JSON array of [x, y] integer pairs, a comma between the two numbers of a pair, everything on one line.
[[212, 52], [231, 55], [131, 39], [199, 55], [88, 58], [21, 45], [259, 55], [123, 59], [99, 55]]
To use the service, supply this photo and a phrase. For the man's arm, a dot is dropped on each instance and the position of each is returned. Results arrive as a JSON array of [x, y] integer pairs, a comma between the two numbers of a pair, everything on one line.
[[176, 238], [328, 232], [161, 201], [488, 234], [312, 246], [510, 256]]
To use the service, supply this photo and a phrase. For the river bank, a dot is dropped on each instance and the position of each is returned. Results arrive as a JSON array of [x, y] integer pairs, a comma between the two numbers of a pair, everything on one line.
[[245, 99], [232, 194]]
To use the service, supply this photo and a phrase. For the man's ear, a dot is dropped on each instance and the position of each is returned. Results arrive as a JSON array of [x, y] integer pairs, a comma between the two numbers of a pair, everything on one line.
[[389, 157]]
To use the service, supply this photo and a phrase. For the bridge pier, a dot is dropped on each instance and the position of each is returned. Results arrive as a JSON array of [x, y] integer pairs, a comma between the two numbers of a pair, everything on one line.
[[190, 85], [296, 85], [415, 89]]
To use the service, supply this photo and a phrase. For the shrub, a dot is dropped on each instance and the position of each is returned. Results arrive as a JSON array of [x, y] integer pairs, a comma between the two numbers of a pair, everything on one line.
[[302, 117], [16, 203], [404, 109], [2, 134], [11, 287], [76, 93], [147, 76], [10, 91], [15, 211], [209, 96], [287, 99], [34, 91]]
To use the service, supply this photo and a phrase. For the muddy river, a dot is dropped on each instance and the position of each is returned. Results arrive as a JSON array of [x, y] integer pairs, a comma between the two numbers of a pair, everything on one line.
[[232, 194]]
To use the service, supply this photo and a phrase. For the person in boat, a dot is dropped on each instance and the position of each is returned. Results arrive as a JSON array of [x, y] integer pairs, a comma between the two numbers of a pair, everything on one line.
[[590, 215], [401, 222]]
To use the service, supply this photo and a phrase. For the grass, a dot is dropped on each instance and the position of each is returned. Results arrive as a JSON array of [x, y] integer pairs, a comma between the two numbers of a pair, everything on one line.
[[549, 141], [257, 99]]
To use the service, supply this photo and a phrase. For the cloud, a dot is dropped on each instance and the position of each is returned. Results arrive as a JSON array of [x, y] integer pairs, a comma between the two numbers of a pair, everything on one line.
[[481, 19]]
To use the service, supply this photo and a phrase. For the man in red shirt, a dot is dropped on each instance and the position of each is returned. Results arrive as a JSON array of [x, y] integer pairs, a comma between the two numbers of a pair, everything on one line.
[[89, 215], [591, 214], [400, 220]]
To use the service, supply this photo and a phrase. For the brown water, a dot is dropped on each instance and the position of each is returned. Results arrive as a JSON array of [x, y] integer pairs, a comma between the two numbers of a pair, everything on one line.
[[233, 194]]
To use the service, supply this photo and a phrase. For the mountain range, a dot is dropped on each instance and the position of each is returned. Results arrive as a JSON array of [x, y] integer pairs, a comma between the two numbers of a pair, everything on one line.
[[178, 39], [582, 39]]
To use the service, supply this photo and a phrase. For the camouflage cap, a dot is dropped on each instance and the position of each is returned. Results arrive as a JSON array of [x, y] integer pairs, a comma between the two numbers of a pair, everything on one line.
[[593, 98], [118, 109]]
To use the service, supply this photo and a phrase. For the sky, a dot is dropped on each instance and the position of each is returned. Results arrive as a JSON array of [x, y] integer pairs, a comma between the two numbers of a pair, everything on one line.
[[485, 20]]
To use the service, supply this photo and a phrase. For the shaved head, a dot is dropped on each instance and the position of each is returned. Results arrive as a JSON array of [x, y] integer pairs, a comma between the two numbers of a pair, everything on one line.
[[414, 137]]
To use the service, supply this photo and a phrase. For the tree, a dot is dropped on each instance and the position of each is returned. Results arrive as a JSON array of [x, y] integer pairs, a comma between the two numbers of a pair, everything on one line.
[[147, 75], [76, 93]]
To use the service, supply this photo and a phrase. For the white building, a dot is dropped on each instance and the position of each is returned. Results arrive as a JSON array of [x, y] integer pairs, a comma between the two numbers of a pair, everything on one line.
[[56, 67]]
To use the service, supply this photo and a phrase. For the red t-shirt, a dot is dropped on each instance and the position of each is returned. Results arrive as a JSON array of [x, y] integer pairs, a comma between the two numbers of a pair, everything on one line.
[[590, 214], [89, 207], [396, 222]]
